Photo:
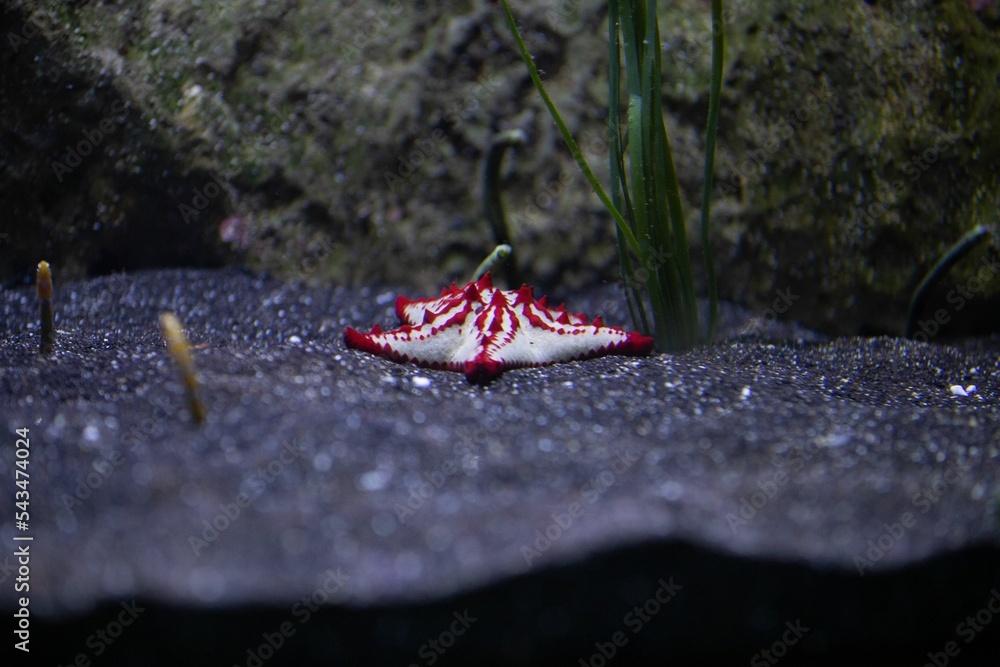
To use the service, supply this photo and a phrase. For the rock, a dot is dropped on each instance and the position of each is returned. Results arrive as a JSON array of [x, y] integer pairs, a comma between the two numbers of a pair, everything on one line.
[[342, 142], [852, 144], [338, 508], [88, 183]]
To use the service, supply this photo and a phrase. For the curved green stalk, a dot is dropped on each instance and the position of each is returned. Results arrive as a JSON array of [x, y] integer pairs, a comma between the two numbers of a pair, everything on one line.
[[960, 249], [646, 186], [493, 209], [571, 144], [500, 253], [670, 232], [616, 167], [711, 130]]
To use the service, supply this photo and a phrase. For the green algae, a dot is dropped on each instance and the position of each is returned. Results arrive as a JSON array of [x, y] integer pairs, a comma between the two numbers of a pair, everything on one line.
[[856, 140]]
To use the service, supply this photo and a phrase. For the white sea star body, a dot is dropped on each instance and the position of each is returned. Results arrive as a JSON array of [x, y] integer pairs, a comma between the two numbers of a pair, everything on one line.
[[482, 331]]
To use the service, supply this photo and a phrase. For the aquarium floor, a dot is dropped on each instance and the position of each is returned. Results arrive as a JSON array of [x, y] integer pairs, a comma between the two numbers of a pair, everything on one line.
[[772, 479]]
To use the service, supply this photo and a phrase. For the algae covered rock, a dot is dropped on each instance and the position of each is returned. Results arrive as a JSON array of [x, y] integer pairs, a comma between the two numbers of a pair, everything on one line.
[[860, 140], [343, 140], [85, 180]]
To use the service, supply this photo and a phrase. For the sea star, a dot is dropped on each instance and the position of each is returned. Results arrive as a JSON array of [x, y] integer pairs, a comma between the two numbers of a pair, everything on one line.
[[482, 331]]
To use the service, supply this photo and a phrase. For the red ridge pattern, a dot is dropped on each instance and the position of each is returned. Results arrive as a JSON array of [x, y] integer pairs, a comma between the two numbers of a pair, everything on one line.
[[482, 331]]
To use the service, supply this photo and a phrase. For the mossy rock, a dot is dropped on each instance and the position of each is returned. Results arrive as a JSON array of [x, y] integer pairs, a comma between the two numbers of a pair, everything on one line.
[[859, 141], [343, 140], [86, 182]]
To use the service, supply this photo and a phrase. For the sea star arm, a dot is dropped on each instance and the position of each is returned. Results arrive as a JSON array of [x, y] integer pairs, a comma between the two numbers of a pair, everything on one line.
[[425, 345]]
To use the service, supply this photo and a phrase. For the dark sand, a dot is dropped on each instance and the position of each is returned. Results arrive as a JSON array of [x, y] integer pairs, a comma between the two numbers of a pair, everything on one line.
[[775, 477]]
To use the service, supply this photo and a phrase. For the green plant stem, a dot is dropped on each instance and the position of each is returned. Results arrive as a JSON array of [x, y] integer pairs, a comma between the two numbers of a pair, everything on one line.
[[652, 232], [711, 132], [493, 208], [659, 213], [619, 189], [676, 273], [642, 180], [956, 252], [571, 144], [500, 253]]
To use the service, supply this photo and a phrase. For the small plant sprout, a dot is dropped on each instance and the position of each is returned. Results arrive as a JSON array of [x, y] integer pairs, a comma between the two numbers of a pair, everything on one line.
[[493, 209], [43, 285], [499, 254], [180, 351]]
